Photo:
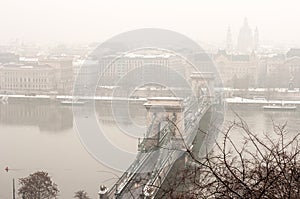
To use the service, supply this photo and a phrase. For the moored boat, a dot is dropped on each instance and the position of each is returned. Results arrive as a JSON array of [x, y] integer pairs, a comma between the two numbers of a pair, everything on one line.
[[72, 102], [280, 107]]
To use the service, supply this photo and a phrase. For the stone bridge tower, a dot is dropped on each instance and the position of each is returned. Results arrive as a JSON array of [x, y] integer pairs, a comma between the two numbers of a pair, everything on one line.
[[165, 117], [164, 109], [203, 83]]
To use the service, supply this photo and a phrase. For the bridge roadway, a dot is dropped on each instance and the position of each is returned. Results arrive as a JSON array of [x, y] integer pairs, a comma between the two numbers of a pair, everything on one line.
[[150, 168]]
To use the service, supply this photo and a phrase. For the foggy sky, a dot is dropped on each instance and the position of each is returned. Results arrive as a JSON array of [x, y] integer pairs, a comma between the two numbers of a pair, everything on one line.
[[96, 20]]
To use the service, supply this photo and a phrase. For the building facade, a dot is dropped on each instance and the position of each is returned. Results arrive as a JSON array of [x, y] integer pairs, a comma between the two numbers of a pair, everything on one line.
[[26, 79], [63, 73], [237, 69], [112, 68], [292, 63]]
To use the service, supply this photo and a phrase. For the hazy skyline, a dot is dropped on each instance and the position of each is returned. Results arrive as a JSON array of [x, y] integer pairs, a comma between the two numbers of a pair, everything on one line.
[[48, 21]]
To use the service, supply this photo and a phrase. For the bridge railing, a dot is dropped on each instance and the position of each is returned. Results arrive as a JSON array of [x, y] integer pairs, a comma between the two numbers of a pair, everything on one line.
[[128, 175], [155, 183]]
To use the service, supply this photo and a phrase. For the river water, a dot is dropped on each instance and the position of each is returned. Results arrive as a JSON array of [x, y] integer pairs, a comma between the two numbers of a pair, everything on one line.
[[42, 136]]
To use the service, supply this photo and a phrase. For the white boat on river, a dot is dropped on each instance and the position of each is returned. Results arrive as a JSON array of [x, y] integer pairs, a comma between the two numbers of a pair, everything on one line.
[[72, 102], [280, 107]]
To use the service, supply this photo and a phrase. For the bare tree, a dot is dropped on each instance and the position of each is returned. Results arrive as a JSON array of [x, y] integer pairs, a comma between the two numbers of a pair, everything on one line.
[[81, 195], [37, 186], [259, 166]]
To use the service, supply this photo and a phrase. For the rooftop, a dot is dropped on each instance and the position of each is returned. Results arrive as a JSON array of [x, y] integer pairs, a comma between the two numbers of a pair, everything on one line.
[[24, 66], [240, 58], [148, 56], [293, 52]]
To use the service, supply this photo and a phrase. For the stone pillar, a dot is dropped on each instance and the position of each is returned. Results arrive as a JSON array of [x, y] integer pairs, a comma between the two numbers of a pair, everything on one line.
[[203, 80], [103, 192], [165, 109]]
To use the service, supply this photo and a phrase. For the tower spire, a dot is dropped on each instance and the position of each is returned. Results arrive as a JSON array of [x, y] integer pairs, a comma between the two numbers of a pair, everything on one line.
[[245, 39], [229, 45], [245, 21], [256, 39]]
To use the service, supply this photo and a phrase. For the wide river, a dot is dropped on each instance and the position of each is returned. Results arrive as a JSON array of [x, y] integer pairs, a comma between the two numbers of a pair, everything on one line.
[[42, 136]]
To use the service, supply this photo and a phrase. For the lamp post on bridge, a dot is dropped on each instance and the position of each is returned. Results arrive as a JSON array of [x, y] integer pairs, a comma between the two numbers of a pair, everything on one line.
[[14, 190], [103, 192]]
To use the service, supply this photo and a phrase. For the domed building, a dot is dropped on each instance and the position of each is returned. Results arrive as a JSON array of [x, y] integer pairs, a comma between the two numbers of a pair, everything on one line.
[[245, 42]]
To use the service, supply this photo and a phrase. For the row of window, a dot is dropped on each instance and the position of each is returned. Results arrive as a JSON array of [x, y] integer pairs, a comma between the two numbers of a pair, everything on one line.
[[34, 74], [25, 86], [24, 79]]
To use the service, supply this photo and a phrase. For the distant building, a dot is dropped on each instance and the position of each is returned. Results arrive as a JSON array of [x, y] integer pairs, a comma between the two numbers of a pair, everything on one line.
[[26, 79], [85, 73], [275, 64], [283, 70], [293, 52], [234, 67], [245, 39], [8, 58], [293, 65], [277, 74], [256, 40], [113, 68], [63, 73], [229, 43], [203, 61]]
